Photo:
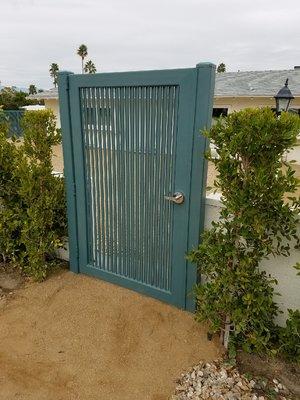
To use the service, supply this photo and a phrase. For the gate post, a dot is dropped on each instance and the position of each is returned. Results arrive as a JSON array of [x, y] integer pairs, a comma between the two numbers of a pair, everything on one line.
[[66, 127], [202, 120]]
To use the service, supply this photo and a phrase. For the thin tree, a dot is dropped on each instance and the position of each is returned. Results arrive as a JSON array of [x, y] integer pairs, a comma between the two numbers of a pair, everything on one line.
[[82, 52], [32, 89], [89, 67], [54, 73], [221, 68]]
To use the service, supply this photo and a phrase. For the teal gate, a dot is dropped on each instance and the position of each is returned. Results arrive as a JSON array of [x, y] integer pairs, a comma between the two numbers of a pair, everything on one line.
[[14, 121], [135, 175]]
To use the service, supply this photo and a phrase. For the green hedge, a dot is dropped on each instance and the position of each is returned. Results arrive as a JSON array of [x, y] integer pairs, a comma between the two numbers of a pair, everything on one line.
[[255, 223], [32, 200]]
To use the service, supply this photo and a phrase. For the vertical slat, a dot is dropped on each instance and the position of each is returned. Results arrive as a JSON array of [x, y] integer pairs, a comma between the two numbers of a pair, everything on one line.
[[111, 128], [85, 122], [155, 158], [170, 155], [127, 180], [118, 178], [153, 169], [102, 181], [91, 173], [96, 178], [164, 204], [133, 258], [161, 188], [122, 180], [149, 184], [136, 133], [108, 180], [169, 235]]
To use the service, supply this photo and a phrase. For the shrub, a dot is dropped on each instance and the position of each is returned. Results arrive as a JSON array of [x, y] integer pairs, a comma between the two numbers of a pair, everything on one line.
[[32, 201], [3, 122], [255, 223], [289, 337]]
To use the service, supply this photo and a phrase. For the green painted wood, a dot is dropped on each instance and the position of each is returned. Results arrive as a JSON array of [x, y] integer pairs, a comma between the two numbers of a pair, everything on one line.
[[132, 144], [69, 173], [14, 117], [202, 120], [81, 183]]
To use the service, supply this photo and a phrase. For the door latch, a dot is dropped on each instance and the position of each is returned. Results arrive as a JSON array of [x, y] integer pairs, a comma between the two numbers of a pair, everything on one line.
[[177, 198]]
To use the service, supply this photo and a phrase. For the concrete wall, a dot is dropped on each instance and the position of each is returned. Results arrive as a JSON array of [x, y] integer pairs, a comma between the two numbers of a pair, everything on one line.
[[279, 267]]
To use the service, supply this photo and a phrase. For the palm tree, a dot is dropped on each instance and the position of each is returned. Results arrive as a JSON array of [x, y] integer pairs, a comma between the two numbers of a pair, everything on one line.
[[54, 72], [221, 68], [90, 67], [32, 89], [82, 52]]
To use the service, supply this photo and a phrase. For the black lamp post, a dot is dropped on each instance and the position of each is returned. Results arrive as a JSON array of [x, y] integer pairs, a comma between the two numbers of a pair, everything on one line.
[[283, 98]]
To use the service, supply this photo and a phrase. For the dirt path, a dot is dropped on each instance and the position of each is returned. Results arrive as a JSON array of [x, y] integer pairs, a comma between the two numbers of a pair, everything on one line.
[[75, 337]]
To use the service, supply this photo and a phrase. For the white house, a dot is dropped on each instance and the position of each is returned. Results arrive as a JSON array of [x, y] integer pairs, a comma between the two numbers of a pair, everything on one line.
[[237, 90]]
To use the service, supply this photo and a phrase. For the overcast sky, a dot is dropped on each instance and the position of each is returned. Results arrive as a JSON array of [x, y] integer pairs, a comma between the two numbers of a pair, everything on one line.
[[138, 34]]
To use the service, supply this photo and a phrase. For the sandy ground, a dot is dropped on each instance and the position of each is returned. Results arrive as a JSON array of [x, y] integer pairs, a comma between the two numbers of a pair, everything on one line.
[[76, 337], [57, 159]]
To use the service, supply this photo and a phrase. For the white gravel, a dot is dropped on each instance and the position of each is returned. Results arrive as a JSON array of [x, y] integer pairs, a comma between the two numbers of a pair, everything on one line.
[[220, 381]]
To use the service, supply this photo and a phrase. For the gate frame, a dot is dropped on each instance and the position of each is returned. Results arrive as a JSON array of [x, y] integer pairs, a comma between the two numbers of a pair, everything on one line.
[[198, 174]]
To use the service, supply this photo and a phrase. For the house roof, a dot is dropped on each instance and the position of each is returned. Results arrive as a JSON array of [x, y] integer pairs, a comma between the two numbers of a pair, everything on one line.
[[256, 83], [45, 95], [235, 84]]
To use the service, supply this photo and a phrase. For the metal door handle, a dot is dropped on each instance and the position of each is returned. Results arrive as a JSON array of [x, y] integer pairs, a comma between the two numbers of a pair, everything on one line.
[[177, 198]]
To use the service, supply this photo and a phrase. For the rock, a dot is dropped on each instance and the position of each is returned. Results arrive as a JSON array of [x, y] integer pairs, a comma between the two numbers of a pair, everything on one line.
[[214, 381]]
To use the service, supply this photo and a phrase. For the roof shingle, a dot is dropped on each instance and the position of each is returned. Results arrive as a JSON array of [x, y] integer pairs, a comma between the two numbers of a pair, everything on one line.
[[256, 83]]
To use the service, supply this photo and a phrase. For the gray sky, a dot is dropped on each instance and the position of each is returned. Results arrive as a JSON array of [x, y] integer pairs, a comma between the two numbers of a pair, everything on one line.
[[138, 34]]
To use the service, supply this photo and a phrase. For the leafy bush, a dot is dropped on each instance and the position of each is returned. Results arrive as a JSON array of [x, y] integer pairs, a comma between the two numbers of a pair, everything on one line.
[[289, 337], [3, 122], [255, 223], [11, 99], [32, 201]]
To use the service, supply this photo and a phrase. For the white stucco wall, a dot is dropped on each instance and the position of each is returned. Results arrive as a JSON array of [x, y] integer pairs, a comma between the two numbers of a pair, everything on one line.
[[238, 103], [53, 105], [280, 268]]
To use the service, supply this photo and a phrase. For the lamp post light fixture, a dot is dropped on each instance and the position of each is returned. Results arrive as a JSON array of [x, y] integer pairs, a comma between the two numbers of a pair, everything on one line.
[[283, 98]]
